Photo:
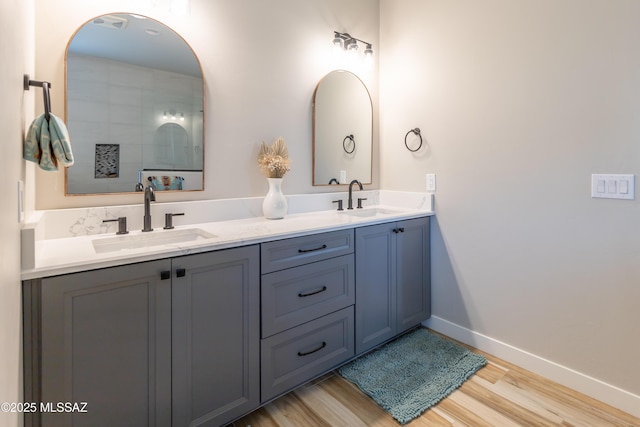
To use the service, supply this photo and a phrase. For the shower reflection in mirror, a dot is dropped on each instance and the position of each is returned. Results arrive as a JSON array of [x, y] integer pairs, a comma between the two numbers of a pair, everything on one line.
[[135, 83]]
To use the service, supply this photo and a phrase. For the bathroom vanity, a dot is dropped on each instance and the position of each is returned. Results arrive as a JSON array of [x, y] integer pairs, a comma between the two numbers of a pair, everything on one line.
[[210, 331]]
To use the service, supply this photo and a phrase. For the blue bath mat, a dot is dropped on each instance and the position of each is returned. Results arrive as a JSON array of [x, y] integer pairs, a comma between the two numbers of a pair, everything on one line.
[[409, 375]]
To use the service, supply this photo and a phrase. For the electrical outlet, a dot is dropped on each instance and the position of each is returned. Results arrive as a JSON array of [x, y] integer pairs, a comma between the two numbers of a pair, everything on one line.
[[431, 182], [20, 201]]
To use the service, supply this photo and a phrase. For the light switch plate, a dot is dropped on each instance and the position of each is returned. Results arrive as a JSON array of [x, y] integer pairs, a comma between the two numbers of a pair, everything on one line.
[[431, 182], [20, 201], [613, 186]]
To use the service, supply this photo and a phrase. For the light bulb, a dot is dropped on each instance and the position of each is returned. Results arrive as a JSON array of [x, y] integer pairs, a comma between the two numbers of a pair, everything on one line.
[[352, 51], [368, 57]]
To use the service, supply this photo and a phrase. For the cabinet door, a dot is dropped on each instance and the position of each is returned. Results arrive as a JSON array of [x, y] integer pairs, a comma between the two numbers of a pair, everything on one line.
[[413, 285], [215, 336], [106, 341], [375, 285]]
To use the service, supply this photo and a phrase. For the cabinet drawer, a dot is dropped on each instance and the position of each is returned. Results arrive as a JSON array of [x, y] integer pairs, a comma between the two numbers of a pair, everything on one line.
[[293, 252], [299, 354], [297, 295]]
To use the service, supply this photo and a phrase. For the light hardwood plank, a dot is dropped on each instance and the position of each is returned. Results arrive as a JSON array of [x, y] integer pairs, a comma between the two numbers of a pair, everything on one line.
[[290, 411], [359, 403], [329, 408], [500, 394], [507, 393], [484, 392], [492, 372], [461, 414]]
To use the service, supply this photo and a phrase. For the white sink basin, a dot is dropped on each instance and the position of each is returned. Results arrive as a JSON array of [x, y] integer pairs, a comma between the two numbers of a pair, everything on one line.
[[369, 212], [149, 239]]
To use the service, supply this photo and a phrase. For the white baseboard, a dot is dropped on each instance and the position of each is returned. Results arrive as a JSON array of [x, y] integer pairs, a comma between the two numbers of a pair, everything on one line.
[[607, 393]]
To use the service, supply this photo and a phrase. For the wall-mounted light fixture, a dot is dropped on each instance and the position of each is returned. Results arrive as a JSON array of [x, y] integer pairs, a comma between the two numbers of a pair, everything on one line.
[[173, 115], [345, 42]]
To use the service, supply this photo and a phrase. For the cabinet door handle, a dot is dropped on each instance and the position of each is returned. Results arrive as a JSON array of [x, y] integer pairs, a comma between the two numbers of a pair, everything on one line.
[[164, 275], [304, 251], [401, 229], [180, 272], [395, 230], [301, 295], [323, 345]]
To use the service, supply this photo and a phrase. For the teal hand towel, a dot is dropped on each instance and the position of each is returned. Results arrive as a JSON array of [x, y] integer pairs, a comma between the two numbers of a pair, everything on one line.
[[48, 144], [167, 182]]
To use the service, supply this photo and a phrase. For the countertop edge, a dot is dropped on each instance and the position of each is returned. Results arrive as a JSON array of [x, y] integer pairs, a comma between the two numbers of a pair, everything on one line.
[[170, 251]]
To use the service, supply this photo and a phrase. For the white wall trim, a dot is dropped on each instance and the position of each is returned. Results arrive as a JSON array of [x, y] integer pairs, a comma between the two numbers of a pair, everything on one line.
[[568, 377]]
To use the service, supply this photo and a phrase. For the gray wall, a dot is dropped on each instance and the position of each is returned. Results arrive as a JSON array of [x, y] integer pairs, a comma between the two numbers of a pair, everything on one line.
[[261, 60], [519, 103], [16, 111]]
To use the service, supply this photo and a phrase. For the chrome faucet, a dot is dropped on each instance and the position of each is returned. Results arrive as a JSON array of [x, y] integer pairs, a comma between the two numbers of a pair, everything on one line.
[[149, 196], [350, 201], [139, 185]]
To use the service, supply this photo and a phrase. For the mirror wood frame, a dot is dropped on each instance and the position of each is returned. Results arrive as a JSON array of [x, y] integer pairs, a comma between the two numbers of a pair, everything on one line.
[[203, 110], [315, 124]]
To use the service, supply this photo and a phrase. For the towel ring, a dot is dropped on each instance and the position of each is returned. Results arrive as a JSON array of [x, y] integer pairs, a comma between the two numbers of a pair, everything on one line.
[[344, 144], [417, 132]]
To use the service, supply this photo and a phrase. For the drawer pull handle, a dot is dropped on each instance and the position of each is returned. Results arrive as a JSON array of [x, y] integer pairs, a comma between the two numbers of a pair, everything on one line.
[[301, 295], [324, 344], [304, 251]]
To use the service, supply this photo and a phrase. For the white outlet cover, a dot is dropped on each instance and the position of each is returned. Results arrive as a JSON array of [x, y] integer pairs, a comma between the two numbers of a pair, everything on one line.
[[431, 182], [20, 201]]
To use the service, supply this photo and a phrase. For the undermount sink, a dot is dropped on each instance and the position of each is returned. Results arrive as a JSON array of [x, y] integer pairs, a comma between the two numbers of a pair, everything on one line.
[[369, 212], [149, 239]]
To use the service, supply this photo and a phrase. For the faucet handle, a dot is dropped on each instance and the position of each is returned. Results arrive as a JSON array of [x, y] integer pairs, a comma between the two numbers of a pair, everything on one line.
[[122, 224], [339, 202], [168, 220], [360, 199]]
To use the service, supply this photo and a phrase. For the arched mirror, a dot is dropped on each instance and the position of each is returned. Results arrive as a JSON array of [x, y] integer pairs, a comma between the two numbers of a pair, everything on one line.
[[134, 106], [342, 130]]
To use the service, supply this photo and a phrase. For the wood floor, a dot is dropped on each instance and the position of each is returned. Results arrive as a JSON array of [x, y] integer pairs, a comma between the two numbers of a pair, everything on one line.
[[500, 394]]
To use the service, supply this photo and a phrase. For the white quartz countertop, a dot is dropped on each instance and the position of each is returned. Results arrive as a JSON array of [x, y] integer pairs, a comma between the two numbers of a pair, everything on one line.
[[74, 254]]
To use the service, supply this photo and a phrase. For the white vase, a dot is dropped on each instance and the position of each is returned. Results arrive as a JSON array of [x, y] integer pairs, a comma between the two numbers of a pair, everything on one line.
[[274, 205]]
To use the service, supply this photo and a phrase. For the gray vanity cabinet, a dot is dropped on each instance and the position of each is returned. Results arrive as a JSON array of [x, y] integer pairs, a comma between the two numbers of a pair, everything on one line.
[[216, 324], [392, 280], [307, 295], [202, 339], [104, 338], [172, 342]]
